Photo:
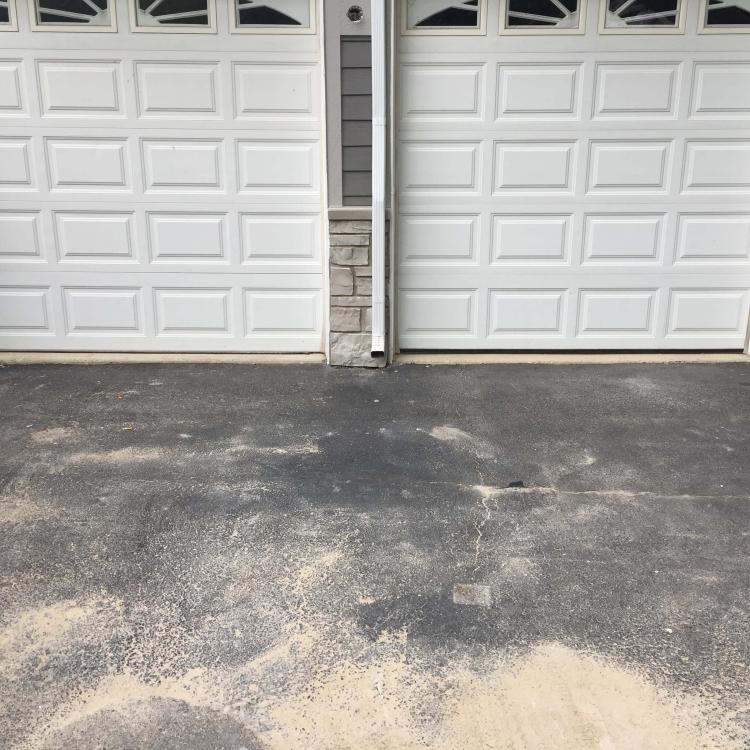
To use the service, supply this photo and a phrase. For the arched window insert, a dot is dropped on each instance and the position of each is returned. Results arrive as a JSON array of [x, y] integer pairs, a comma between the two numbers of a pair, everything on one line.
[[72, 15], [444, 16], [173, 15], [543, 16], [273, 16], [645, 16], [720, 16]]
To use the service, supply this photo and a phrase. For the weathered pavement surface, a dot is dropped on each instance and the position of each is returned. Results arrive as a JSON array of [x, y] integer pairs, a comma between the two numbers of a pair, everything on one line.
[[300, 557]]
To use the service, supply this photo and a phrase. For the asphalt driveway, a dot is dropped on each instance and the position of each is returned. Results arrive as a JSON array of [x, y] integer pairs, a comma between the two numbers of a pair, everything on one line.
[[286, 557]]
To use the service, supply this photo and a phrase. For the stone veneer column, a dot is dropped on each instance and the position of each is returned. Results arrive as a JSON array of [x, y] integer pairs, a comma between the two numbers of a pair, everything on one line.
[[351, 294]]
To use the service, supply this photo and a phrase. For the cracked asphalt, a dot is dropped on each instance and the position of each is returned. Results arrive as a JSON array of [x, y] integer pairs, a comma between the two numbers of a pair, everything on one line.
[[229, 556]]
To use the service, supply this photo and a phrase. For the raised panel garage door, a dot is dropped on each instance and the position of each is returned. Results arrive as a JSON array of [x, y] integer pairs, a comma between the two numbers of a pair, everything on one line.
[[160, 176], [574, 175]]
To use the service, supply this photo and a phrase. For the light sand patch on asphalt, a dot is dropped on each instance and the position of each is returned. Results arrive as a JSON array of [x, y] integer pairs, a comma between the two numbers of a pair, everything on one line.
[[554, 698], [127, 455], [30, 636], [54, 435]]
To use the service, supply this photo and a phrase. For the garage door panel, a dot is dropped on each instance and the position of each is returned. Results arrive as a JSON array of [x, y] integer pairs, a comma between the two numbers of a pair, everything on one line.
[[274, 166], [25, 309], [527, 313], [184, 164], [540, 167], [437, 92], [431, 238], [281, 239], [89, 164], [610, 192], [539, 90], [713, 238], [161, 311], [188, 237], [629, 166], [721, 90], [168, 90], [617, 312], [151, 184], [91, 88], [16, 165], [518, 309], [643, 90], [13, 97], [717, 166], [95, 236], [435, 313], [719, 313], [624, 238], [103, 310], [19, 236], [531, 238], [435, 167]]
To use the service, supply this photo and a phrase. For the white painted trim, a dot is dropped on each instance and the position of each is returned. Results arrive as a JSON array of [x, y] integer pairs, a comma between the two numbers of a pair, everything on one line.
[[490, 358], [393, 175], [235, 28], [74, 28], [325, 198], [704, 29], [173, 29], [538, 31], [109, 358], [12, 25], [678, 29], [448, 30], [379, 114]]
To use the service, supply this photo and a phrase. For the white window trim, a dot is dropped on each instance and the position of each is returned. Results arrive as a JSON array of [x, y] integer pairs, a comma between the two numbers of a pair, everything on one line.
[[173, 28], [678, 29], [235, 28], [73, 28], [481, 30], [542, 31], [12, 24], [703, 28]]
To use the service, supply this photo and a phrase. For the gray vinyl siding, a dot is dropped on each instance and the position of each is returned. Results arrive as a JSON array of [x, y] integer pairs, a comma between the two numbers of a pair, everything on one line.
[[356, 121]]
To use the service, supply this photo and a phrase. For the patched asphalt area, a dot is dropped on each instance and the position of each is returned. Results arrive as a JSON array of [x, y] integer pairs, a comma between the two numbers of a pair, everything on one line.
[[424, 557]]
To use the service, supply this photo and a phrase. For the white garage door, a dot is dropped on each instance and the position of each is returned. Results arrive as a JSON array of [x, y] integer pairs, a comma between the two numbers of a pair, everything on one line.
[[160, 175], [574, 175]]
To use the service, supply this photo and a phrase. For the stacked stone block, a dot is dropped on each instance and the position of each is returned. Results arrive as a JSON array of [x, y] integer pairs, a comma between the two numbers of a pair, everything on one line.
[[351, 294]]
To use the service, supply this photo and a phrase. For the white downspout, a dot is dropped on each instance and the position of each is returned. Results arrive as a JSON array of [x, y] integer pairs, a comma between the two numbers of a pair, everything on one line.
[[379, 76]]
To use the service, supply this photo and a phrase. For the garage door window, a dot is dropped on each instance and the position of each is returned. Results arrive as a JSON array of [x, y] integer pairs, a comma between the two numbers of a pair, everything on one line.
[[173, 15], [72, 15], [722, 16], [448, 16], [7, 15], [642, 16], [543, 16], [277, 16]]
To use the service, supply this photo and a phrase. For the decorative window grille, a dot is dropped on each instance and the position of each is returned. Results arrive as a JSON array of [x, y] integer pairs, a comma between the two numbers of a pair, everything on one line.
[[543, 14], [72, 13], [443, 14], [173, 14], [640, 14], [6, 19], [727, 15], [272, 13]]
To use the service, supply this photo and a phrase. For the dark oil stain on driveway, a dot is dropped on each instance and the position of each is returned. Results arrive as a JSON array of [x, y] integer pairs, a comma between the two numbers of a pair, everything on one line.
[[304, 557]]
